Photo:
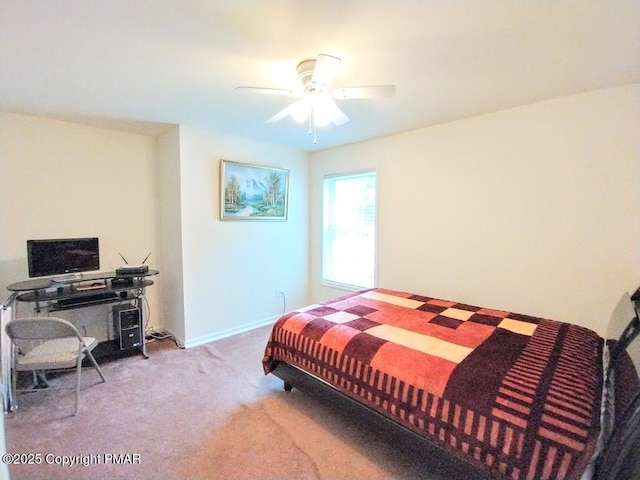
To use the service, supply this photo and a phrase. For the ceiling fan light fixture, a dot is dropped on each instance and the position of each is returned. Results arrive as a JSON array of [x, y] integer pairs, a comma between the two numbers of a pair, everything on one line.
[[320, 120], [321, 111], [300, 110]]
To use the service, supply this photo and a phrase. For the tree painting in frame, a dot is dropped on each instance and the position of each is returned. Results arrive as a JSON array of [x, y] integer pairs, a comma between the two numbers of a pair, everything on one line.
[[252, 192]]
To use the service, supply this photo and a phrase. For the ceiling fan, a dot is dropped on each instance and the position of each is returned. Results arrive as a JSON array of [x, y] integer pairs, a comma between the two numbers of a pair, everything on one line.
[[316, 101]]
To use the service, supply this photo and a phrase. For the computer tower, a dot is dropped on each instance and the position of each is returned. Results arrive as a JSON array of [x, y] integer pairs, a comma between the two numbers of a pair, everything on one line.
[[127, 325]]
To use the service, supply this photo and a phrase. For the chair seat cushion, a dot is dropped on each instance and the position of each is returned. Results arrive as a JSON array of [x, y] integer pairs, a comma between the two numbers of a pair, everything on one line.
[[57, 353]]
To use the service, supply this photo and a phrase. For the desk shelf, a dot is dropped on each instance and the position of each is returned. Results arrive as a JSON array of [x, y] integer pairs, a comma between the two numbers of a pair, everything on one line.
[[53, 296], [83, 297]]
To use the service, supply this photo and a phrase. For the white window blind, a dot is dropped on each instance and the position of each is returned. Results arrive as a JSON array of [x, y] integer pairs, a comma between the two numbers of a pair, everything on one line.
[[349, 229]]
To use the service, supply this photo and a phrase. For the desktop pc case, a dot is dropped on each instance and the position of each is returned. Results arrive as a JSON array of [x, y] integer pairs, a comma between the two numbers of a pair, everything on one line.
[[127, 325]]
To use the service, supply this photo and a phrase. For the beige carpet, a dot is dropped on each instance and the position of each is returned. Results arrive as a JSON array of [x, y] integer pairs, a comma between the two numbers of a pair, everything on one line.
[[207, 413]]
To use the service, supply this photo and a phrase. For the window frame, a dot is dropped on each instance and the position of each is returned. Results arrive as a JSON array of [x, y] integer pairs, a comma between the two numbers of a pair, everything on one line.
[[332, 283]]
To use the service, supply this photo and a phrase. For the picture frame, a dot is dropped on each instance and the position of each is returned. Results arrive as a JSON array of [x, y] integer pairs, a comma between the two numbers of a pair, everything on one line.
[[253, 192]]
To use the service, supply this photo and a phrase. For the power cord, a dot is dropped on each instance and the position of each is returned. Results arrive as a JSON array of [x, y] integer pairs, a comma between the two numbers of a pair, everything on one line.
[[148, 309], [152, 335]]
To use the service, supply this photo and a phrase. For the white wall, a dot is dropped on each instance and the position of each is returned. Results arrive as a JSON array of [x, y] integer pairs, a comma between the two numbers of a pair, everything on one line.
[[231, 270], [61, 179], [170, 231], [140, 194], [533, 210]]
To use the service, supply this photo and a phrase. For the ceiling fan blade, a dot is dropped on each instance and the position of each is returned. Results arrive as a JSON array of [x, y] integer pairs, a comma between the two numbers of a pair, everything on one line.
[[373, 91], [280, 115], [326, 68], [337, 116], [326, 111], [297, 109], [269, 91]]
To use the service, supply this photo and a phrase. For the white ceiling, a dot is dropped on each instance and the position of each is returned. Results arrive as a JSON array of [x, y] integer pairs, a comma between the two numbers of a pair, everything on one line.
[[142, 64]]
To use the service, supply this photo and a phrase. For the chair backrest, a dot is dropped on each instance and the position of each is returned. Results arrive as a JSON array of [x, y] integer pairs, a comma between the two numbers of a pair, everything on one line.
[[41, 328]]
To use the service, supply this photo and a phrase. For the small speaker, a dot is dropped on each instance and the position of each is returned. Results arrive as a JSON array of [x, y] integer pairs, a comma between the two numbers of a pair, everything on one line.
[[127, 325]]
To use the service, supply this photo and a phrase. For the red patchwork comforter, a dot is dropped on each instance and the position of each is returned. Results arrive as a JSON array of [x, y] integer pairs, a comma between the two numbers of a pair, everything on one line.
[[515, 395]]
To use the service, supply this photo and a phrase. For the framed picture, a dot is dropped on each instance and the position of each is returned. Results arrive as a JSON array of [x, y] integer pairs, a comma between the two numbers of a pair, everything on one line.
[[252, 192]]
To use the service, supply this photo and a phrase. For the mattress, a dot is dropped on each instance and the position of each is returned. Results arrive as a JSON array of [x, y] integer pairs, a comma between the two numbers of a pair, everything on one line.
[[515, 395]]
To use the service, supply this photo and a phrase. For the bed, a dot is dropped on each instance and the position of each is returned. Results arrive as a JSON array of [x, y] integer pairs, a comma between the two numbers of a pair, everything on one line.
[[516, 396]]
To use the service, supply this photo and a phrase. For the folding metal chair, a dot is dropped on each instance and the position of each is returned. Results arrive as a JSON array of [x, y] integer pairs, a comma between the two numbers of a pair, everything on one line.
[[59, 346]]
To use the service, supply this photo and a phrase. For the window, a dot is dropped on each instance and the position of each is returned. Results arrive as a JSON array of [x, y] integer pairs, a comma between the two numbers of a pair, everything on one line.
[[349, 229]]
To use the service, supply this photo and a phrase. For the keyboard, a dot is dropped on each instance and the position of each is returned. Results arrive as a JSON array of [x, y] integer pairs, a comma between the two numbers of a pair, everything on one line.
[[87, 299]]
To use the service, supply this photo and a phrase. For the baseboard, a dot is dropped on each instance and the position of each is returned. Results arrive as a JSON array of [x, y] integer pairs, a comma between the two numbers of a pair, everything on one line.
[[224, 333]]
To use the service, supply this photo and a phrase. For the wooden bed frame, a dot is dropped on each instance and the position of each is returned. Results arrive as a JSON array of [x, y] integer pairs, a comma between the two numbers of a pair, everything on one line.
[[619, 457]]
